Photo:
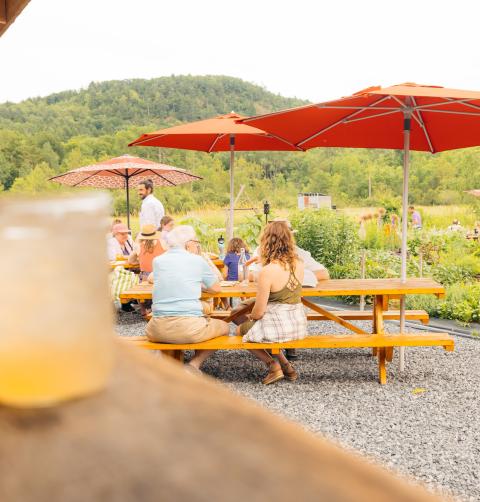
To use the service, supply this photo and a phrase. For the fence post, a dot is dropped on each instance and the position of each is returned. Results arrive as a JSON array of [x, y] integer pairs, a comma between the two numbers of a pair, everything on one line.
[[362, 275]]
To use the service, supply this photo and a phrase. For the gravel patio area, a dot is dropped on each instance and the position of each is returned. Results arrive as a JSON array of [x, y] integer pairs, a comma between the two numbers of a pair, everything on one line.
[[425, 423]]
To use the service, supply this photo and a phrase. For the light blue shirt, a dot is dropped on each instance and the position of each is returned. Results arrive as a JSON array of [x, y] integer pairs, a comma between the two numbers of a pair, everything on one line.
[[177, 283]]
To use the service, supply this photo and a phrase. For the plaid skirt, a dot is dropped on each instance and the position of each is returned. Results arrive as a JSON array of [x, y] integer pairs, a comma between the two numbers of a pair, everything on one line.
[[282, 322]]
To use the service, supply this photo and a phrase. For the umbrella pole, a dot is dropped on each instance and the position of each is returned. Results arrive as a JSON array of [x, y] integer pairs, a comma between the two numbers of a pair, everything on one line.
[[403, 276], [128, 201], [232, 195]]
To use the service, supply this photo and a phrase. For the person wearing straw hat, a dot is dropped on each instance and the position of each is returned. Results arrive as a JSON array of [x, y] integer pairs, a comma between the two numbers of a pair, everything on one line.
[[149, 247]]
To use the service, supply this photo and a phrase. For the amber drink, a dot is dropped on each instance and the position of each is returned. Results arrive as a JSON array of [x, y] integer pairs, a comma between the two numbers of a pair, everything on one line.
[[56, 327]]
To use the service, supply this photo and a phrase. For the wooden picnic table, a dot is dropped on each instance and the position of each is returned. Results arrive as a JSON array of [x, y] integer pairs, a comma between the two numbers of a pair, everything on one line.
[[382, 291]]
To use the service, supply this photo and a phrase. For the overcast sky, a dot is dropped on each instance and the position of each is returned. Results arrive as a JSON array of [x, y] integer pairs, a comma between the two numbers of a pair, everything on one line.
[[313, 49]]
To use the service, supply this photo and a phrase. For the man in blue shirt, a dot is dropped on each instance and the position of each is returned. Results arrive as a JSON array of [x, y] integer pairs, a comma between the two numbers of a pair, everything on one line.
[[179, 276]]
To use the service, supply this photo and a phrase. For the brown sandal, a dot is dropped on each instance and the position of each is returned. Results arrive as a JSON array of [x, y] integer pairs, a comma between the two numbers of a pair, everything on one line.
[[275, 373], [289, 372]]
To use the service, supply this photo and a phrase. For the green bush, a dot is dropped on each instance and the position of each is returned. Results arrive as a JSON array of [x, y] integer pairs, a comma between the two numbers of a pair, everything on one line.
[[331, 238], [461, 303]]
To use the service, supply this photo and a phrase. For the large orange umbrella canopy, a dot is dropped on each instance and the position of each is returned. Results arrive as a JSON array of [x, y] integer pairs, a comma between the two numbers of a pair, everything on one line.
[[442, 119], [219, 134], [213, 135]]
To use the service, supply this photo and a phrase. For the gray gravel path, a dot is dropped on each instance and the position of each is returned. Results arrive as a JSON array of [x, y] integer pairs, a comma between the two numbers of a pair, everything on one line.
[[425, 423]]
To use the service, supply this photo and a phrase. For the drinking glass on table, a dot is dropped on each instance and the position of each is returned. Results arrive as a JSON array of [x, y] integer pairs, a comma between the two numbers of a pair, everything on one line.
[[56, 327]]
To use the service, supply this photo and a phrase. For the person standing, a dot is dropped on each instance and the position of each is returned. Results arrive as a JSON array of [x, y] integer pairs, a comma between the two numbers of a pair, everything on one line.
[[152, 211], [416, 218]]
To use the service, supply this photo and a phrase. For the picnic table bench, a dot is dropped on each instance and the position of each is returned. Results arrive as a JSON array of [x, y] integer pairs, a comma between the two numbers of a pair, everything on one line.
[[382, 344]]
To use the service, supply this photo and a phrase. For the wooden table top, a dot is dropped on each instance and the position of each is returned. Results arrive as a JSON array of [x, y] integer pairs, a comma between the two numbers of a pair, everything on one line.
[[159, 433], [123, 263], [332, 287]]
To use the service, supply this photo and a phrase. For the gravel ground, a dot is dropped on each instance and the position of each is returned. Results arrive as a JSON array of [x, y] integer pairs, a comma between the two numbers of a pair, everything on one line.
[[425, 423]]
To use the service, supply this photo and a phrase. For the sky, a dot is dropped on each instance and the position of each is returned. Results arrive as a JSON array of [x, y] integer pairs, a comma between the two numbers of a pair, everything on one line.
[[311, 49]]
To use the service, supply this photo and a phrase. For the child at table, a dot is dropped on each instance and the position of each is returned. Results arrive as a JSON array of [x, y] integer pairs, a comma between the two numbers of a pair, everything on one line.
[[233, 256]]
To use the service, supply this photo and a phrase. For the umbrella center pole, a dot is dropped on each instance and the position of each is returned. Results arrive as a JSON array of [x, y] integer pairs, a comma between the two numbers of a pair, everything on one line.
[[232, 187], [407, 125], [127, 188]]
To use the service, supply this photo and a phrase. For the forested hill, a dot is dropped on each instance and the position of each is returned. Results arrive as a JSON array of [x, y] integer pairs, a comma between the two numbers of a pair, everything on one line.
[[40, 137], [106, 107]]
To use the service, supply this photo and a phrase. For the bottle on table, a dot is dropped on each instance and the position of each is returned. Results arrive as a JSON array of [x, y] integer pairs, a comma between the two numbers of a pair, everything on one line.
[[242, 267], [221, 247]]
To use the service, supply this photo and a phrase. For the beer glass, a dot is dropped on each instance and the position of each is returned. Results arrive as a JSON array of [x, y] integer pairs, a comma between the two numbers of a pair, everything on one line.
[[56, 321]]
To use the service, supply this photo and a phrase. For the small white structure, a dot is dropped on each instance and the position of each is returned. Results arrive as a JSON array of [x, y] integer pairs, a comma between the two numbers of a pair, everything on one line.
[[314, 200]]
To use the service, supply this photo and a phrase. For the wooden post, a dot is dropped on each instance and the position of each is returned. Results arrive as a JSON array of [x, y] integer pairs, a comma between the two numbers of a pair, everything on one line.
[[362, 275], [3, 12]]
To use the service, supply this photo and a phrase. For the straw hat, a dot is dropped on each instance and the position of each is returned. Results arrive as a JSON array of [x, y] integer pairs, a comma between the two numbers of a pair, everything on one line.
[[149, 233]]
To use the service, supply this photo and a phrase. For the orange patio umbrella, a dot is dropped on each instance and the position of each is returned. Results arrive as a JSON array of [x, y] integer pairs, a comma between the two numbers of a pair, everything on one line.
[[218, 134], [406, 116], [124, 172]]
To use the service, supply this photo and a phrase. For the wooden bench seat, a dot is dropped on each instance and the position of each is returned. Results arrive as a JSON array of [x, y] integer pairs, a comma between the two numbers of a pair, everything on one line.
[[384, 344]]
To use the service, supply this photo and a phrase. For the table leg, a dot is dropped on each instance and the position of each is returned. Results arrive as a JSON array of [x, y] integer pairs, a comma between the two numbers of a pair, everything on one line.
[[382, 369], [378, 304], [384, 354]]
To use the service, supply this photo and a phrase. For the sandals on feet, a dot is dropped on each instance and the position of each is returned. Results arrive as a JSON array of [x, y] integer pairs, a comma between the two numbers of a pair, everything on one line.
[[290, 373], [275, 373]]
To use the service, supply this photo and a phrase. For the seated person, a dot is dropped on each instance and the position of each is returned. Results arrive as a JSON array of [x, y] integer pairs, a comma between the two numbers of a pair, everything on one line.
[[313, 272], [278, 314], [149, 247], [120, 244], [455, 226], [179, 275], [233, 256], [475, 233]]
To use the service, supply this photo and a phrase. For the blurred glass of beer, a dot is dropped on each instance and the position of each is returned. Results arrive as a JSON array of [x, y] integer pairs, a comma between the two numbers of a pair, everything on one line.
[[56, 325]]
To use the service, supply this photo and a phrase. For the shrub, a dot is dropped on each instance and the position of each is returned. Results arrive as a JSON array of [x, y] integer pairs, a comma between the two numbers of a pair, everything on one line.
[[331, 238]]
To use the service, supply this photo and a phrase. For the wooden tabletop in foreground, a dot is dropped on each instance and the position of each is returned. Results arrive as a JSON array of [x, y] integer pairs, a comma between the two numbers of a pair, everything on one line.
[[332, 287], [158, 433]]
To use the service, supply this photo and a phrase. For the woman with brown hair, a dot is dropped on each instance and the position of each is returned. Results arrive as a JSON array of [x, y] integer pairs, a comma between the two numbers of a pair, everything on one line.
[[149, 246], [278, 314]]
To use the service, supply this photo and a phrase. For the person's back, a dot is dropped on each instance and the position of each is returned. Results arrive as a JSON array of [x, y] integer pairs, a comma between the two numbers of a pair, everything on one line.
[[147, 253], [177, 279], [286, 284]]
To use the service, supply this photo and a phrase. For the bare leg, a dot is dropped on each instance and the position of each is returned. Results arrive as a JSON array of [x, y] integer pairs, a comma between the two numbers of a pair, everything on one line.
[[263, 355], [200, 357]]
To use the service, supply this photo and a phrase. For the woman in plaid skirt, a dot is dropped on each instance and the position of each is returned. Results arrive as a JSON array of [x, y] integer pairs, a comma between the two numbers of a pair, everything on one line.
[[278, 314]]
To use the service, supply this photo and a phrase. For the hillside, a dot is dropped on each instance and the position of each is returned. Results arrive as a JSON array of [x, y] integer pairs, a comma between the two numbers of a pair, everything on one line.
[[43, 136], [106, 107]]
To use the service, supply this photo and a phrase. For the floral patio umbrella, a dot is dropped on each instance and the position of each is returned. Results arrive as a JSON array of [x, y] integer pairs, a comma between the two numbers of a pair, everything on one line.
[[124, 172]]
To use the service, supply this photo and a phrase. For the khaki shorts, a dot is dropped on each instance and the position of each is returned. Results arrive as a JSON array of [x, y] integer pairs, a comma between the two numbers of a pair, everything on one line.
[[184, 329]]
